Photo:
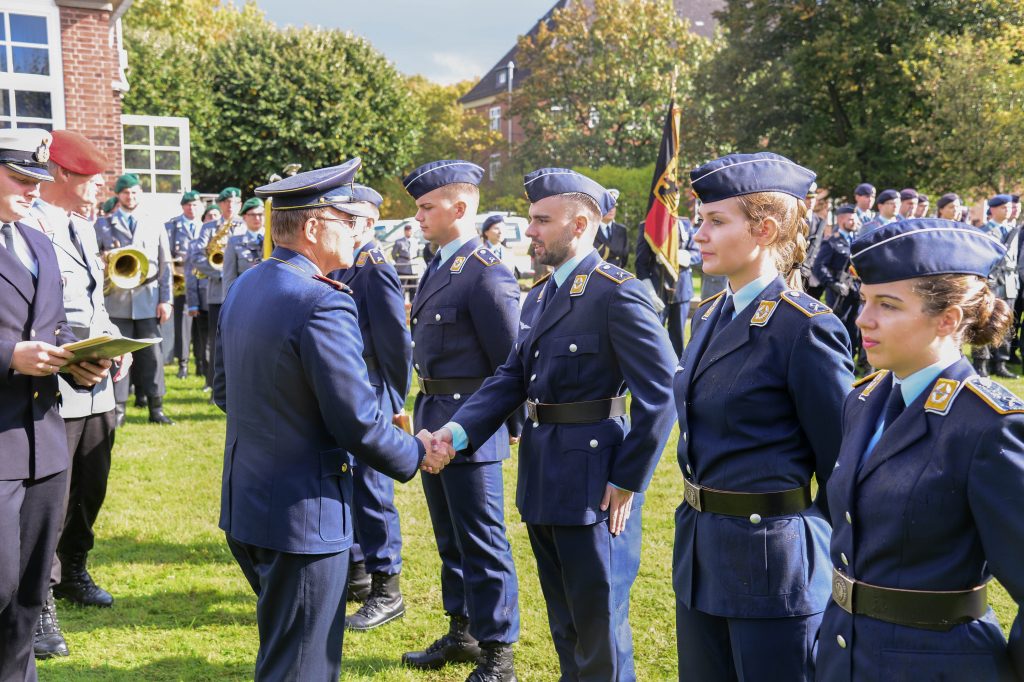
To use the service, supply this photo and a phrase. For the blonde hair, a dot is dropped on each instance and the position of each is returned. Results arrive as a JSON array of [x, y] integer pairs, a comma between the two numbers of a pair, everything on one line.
[[789, 247]]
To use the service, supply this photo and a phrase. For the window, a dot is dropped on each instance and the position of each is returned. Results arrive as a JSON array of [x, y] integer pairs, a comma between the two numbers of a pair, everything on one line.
[[495, 117], [502, 77], [494, 167], [31, 81], [156, 148]]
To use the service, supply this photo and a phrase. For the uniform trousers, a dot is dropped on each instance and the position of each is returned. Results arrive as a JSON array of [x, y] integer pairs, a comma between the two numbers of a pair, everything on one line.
[[586, 574], [211, 339], [31, 512], [674, 316], [147, 372], [200, 330], [720, 649], [478, 579], [300, 611], [182, 330], [378, 533]]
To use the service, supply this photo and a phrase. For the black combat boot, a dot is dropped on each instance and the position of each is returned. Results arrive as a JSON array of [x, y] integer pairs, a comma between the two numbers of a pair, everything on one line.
[[383, 605], [141, 400], [76, 585], [496, 664], [1003, 371], [156, 411], [119, 415], [981, 367], [49, 640], [358, 582], [457, 646], [183, 370]]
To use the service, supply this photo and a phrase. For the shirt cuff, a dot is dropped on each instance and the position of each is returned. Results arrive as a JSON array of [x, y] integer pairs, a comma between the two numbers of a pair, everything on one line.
[[618, 488], [460, 441]]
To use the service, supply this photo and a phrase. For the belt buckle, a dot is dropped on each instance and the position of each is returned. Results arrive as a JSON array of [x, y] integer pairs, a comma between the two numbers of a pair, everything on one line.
[[842, 590], [691, 493], [531, 410]]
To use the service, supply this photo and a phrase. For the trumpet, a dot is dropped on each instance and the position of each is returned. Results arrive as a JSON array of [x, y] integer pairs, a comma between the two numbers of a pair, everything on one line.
[[126, 269]]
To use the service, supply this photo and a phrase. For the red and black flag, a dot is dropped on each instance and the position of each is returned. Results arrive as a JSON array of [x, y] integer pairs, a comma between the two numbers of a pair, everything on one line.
[[660, 227]]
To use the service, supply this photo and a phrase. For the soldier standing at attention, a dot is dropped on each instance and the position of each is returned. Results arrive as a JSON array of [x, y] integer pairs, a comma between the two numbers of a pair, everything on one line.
[[864, 197], [245, 250], [886, 207], [182, 230], [1005, 284], [588, 333], [842, 290], [464, 320], [406, 248], [759, 393], [612, 239]]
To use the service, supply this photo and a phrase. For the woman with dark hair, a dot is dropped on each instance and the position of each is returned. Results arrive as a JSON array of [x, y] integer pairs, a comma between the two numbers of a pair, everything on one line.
[[949, 206], [925, 498]]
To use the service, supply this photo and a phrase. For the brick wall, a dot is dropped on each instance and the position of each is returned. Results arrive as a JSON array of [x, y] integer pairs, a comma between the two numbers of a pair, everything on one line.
[[93, 107]]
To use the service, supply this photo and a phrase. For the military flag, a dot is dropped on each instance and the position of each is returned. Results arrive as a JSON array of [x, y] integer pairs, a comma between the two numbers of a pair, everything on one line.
[[660, 228]]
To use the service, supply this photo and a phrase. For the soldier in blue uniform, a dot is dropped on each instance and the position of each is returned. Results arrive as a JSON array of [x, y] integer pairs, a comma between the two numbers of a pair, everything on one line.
[[759, 393], [864, 197], [670, 297], [886, 207], [588, 332], [181, 231], [1005, 284], [612, 238], [832, 267], [464, 320], [244, 250], [299, 406], [925, 497], [387, 351]]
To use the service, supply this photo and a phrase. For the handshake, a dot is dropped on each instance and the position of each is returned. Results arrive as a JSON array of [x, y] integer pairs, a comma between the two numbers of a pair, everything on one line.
[[440, 451]]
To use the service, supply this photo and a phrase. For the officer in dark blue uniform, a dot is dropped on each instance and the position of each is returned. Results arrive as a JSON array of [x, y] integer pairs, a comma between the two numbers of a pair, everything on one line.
[[832, 268], [464, 320], [588, 332], [299, 406], [673, 295], [387, 351], [758, 392], [925, 497]]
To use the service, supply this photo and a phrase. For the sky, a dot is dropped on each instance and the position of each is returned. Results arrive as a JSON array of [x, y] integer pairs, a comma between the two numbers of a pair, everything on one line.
[[444, 40]]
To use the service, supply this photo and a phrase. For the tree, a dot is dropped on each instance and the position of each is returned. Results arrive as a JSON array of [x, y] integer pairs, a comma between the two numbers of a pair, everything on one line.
[[451, 131], [597, 79]]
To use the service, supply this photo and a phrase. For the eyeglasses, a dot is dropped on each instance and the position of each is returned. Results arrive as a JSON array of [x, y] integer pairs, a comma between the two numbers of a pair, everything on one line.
[[347, 221]]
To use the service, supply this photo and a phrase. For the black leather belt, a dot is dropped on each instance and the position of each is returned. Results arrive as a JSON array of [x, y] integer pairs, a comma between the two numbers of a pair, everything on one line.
[[750, 505], [449, 386], [371, 362], [583, 412], [922, 609]]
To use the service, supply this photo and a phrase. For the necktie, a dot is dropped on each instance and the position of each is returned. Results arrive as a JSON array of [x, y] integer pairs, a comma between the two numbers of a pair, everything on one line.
[[132, 223], [725, 317], [435, 263], [549, 293], [77, 242], [8, 233], [894, 407]]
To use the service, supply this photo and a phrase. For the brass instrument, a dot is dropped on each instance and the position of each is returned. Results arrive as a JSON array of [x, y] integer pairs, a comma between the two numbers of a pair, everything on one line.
[[126, 269], [178, 278], [218, 242]]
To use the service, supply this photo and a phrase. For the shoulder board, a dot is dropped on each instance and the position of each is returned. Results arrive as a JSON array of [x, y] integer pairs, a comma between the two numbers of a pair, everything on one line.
[[710, 298], [334, 284], [377, 256], [805, 304], [615, 274], [542, 280], [999, 398], [865, 379], [875, 380], [486, 256]]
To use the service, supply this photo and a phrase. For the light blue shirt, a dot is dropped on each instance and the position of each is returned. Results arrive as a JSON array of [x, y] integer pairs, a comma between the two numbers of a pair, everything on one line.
[[747, 293], [449, 249]]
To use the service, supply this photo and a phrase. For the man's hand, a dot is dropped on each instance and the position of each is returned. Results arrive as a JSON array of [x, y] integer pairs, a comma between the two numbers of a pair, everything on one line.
[[513, 440], [193, 313], [438, 454], [125, 364], [38, 358], [89, 373], [619, 502], [163, 312]]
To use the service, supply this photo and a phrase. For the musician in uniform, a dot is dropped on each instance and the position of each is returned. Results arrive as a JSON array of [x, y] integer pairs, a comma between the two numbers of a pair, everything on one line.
[[612, 239], [1005, 283], [181, 231], [139, 311], [832, 267], [245, 250]]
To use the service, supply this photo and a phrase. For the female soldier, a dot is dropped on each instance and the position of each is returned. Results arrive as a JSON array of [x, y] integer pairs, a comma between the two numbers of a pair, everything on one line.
[[949, 206], [759, 393], [925, 498]]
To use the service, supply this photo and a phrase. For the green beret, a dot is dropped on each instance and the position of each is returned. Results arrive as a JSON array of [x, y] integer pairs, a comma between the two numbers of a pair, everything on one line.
[[210, 207], [126, 181], [249, 205], [189, 197], [108, 205], [229, 193]]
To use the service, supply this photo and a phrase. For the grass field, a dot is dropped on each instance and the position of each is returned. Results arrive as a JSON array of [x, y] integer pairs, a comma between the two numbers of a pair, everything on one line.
[[182, 610]]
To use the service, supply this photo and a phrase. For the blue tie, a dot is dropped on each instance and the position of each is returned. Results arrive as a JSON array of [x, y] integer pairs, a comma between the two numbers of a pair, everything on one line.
[[132, 223], [894, 407], [725, 317]]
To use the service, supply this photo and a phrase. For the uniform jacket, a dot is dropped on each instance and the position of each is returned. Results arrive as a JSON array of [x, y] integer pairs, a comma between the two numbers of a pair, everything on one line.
[[615, 247], [81, 271], [935, 506], [647, 266], [402, 253], [1004, 280], [597, 337], [140, 303], [242, 252], [298, 400], [759, 412], [198, 259], [196, 288], [464, 322], [180, 233], [832, 261], [33, 443], [387, 343]]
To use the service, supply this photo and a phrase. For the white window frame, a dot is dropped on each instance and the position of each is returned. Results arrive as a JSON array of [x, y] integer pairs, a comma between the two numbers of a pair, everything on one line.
[[54, 83], [183, 148], [493, 167], [494, 116], [502, 77]]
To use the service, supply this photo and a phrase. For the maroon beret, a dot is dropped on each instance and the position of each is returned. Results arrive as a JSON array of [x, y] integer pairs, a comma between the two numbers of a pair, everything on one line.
[[74, 152]]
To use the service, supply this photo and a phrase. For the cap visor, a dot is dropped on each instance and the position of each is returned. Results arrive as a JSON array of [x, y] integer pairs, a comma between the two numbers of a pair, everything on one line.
[[40, 174]]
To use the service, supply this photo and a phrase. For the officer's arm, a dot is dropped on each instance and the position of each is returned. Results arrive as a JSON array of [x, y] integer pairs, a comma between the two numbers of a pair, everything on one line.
[[819, 376], [995, 487], [220, 386], [347, 401], [391, 339], [822, 267], [644, 269], [165, 271], [645, 356], [229, 269], [501, 395], [191, 285]]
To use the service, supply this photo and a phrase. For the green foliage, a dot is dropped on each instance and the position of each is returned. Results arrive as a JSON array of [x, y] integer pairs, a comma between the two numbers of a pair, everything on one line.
[[634, 185], [451, 132]]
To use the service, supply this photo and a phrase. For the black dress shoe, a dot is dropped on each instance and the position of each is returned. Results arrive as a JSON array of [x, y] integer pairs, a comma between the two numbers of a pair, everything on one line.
[[76, 585], [1003, 371], [156, 412], [496, 664], [457, 646], [183, 370], [48, 640], [119, 415], [141, 401], [981, 367], [384, 604], [358, 582]]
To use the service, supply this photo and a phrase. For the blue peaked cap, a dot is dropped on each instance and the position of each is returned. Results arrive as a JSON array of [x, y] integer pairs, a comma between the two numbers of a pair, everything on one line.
[[920, 247], [547, 182], [430, 176], [320, 188], [738, 174]]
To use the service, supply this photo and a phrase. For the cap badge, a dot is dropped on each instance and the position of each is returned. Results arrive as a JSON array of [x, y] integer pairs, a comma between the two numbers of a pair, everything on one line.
[[42, 154]]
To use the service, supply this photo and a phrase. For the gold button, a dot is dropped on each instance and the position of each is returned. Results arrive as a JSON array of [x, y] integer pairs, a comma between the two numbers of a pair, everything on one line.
[[842, 557], [344, 468], [841, 641], [536, 424], [58, 394], [35, 395]]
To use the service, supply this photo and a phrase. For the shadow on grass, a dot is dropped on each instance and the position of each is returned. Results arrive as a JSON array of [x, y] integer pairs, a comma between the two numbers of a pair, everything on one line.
[[173, 668], [123, 549], [186, 610]]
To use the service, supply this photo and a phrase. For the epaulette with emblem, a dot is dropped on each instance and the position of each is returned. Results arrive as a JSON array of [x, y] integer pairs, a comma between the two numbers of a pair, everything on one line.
[[615, 274], [486, 256], [541, 280], [377, 257], [715, 300], [996, 396], [875, 379], [805, 304]]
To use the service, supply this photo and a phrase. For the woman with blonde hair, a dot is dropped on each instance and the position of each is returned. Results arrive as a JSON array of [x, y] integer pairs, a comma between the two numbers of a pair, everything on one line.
[[759, 392]]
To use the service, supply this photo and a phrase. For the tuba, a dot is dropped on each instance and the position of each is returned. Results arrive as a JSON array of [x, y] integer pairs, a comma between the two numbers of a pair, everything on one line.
[[126, 269]]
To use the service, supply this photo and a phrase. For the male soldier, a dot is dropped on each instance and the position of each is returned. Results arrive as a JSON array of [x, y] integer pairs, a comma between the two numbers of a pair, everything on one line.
[[612, 240], [227, 225], [463, 326], [76, 165], [139, 312], [864, 196], [670, 298], [299, 404], [832, 267], [387, 351], [1004, 282], [33, 439], [244, 250], [404, 250], [922, 206], [886, 208], [587, 334], [181, 231], [908, 203]]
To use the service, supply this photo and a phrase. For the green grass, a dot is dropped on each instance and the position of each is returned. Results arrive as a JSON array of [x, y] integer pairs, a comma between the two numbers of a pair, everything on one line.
[[183, 611]]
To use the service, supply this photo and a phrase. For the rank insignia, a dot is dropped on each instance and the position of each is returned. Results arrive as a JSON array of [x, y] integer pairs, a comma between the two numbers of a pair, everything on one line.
[[805, 304], [941, 398], [458, 264], [995, 396], [377, 257], [876, 379], [361, 261], [763, 314], [579, 283]]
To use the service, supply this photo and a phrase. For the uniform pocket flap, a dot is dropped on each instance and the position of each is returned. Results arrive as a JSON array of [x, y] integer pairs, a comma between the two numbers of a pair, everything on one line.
[[444, 315], [334, 463], [578, 344]]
